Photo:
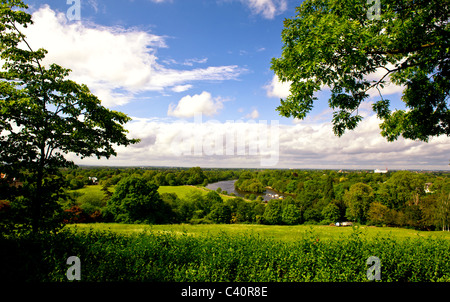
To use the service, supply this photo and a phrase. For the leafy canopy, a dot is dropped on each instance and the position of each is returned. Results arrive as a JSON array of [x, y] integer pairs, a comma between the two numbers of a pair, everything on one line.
[[334, 43], [44, 115]]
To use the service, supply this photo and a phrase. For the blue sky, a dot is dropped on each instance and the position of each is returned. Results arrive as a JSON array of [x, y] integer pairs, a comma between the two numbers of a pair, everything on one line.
[[199, 34], [163, 61]]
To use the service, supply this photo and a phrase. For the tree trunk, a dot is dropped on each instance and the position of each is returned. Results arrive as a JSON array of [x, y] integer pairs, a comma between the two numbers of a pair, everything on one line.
[[37, 199]]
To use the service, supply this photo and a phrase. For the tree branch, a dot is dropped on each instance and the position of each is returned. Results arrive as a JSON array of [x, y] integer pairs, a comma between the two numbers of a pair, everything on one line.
[[401, 51]]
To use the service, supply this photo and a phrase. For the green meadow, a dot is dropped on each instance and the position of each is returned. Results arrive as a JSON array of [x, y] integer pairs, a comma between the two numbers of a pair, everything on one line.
[[181, 191], [239, 252], [276, 232]]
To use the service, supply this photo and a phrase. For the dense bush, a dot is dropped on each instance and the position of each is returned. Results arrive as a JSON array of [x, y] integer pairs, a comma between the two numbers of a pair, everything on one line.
[[137, 200], [152, 256]]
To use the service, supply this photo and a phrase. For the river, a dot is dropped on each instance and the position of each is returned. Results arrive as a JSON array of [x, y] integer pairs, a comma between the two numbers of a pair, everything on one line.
[[228, 185]]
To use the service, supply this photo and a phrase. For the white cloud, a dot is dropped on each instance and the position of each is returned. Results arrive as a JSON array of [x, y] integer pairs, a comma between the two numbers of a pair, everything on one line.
[[277, 89], [114, 62], [389, 87], [191, 62], [253, 115], [181, 88], [171, 77], [267, 8], [187, 62], [302, 145], [189, 106]]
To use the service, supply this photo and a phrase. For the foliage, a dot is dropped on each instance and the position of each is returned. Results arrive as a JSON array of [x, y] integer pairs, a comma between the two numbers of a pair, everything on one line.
[[358, 200], [152, 256], [137, 201], [316, 197], [248, 184], [337, 43], [401, 189], [273, 212], [331, 213], [43, 116], [221, 213], [284, 233]]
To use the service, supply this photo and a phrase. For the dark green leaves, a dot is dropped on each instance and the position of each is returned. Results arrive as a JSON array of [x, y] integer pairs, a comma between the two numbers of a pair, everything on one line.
[[44, 115], [333, 43], [343, 120]]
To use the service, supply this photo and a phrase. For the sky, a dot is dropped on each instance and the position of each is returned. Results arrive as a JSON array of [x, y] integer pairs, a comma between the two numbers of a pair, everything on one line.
[[195, 77]]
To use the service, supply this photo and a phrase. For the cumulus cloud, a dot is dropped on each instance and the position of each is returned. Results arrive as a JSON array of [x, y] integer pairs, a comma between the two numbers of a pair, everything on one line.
[[114, 62], [267, 8], [389, 87], [277, 89], [301, 145], [364, 147], [253, 115], [202, 103]]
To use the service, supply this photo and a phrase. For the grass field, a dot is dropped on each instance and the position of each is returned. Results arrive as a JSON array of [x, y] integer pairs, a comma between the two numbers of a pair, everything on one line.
[[282, 233], [181, 191], [92, 190]]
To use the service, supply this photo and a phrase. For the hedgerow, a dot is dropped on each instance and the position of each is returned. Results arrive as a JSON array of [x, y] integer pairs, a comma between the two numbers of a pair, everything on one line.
[[248, 257]]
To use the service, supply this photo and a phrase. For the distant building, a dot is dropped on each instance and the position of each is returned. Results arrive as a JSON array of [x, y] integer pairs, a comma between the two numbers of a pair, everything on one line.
[[380, 171]]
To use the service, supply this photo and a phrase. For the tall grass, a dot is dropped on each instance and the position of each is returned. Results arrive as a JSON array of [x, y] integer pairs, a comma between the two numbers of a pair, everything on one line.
[[156, 256], [278, 232]]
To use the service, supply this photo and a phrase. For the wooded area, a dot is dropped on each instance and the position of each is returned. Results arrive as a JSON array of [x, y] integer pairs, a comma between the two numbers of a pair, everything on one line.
[[130, 195]]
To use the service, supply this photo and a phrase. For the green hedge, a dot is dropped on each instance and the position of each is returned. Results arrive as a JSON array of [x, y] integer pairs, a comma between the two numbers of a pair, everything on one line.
[[152, 256]]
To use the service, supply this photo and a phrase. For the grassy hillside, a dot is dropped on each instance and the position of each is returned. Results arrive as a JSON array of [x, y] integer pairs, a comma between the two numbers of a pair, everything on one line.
[[181, 191]]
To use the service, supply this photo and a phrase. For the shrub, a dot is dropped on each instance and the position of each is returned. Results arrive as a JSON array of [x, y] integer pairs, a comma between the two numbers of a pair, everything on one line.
[[136, 200], [248, 257]]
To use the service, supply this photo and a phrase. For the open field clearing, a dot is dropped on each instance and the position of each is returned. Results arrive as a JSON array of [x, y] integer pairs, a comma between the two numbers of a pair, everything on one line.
[[181, 191], [283, 233]]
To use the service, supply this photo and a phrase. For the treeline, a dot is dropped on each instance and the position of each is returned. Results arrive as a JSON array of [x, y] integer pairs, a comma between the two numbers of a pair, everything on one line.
[[136, 200], [69, 207], [402, 198], [108, 176], [248, 183]]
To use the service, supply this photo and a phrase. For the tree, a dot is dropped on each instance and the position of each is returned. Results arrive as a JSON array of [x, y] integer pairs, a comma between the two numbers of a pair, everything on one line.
[[245, 211], [291, 214], [328, 189], [443, 211], [336, 43], [196, 176], [331, 213], [273, 212], [137, 200], [401, 189], [44, 115], [378, 214], [220, 213], [358, 200]]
